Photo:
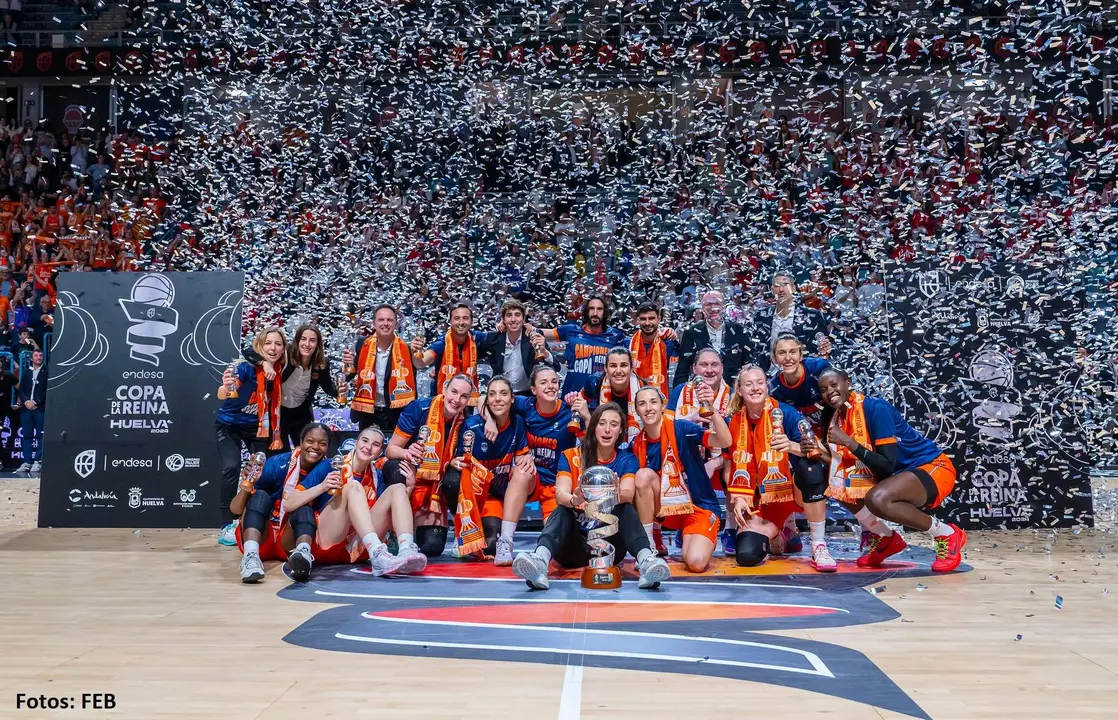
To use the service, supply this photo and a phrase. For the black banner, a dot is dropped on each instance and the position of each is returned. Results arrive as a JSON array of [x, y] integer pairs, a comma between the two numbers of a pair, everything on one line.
[[135, 364], [983, 362]]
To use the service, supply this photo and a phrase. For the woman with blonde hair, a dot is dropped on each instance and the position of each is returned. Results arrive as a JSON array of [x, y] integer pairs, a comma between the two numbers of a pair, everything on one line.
[[249, 417]]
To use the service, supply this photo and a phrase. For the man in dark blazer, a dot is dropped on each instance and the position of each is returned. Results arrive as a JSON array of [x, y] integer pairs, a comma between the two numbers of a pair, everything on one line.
[[728, 339], [31, 393], [513, 353], [787, 314]]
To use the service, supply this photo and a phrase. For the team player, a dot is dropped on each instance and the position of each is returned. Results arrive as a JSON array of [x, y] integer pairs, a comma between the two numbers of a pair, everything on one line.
[[508, 458], [249, 417], [547, 420], [384, 372], [425, 466], [770, 477], [267, 530], [563, 538], [673, 482], [797, 382], [587, 343], [652, 352], [456, 352], [348, 519], [617, 384], [897, 473]]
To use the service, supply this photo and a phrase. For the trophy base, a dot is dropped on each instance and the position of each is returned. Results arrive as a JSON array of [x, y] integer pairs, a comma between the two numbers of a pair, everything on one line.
[[607, 578]]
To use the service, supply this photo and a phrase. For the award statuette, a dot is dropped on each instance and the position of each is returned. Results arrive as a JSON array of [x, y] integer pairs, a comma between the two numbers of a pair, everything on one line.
[[808, 442], [705, 410], [347, 343], [231, 389], [340, 383], [599, 485], [252, 471], [542, 352], [778, 421], [468, 445], [337, 463]]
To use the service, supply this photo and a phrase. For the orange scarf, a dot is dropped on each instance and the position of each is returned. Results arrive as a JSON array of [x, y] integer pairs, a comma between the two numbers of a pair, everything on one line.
[[633, 427], [674, 496], [771, 468], [468, 534], [741, 461], [449, 367], [650, 365], [688, 403], [401, 380], [437, 450], [290, 482], [267, 402], [850, 479]]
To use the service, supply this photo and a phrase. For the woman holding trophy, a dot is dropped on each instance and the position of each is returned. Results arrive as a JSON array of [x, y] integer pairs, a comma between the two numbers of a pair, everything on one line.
[[565, 535], [249, 417]]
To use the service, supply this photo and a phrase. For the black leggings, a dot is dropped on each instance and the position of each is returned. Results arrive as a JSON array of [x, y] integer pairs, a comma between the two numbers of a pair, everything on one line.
[[292, 422], [567, 541], [258, 510], [230, 439]]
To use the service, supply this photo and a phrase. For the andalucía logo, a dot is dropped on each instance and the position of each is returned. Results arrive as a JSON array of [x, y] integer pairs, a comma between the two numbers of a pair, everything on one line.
[[715, 624]]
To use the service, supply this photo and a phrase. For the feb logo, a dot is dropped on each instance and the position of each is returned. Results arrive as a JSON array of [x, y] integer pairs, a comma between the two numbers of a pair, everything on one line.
[[85, 463]]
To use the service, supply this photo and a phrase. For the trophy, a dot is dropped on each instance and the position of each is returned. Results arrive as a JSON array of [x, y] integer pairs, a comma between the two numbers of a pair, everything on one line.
[[347, 344], [252, 471], [599, 485], [811, 448], [231, 389], [338, 463], [468, 445], [542, 352], [340, 384], [778, 421], [705, 410]]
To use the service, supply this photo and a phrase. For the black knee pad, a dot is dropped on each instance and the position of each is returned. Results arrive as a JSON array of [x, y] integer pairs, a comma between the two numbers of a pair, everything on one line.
[[391, 473], [492, 528], [303, 521], [751, 548], [431, 540], [258, 509], [811, 479]]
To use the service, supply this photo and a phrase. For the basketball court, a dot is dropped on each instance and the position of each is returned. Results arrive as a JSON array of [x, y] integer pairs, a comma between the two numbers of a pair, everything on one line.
[[158, 619]]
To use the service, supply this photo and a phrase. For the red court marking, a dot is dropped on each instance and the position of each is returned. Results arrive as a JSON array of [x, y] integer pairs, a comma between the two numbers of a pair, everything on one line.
[[569, 613]]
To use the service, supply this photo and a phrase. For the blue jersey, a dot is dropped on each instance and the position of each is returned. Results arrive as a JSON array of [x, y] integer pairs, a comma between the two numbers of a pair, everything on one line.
[[316, 477], [586, 352], [623, 463], [804, 395], [497, 455], [690, 439], [275, 473], [233, 411], [548, 436], [886, 425]]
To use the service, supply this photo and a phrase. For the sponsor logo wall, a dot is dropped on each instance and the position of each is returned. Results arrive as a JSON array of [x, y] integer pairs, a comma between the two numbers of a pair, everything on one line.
[[983, 362], [135, 365]]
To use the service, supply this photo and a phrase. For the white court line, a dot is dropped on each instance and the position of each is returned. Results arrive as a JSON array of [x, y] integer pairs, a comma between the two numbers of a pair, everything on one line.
[[820, 668], [603, 601], [711, 583], [570, 701]]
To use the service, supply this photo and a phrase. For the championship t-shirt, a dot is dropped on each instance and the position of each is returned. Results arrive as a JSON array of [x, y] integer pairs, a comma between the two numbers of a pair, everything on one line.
[[586, 352], [690, 440], [548, 436]]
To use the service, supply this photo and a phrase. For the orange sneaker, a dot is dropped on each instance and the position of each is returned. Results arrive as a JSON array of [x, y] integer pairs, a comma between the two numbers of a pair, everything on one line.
[[880, 548], [949, 550]]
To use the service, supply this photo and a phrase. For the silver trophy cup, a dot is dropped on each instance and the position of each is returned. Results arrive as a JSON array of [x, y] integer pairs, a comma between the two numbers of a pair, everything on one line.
[[599, 486]]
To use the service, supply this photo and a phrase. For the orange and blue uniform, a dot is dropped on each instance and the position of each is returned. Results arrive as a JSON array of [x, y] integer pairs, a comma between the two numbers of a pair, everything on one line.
[[691, 439], [271, 482], [497, 456], [548, 437], [914, 452], [804, 395]]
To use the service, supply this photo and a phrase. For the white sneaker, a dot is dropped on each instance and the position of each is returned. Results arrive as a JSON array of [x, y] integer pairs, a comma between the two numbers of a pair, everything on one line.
[[821, 559], [654, 570], [36, 468], [533, 569], [503, 556], [300, 561], [228, 534], [23, 469], [385, 563], [252, 570], [414, 561]]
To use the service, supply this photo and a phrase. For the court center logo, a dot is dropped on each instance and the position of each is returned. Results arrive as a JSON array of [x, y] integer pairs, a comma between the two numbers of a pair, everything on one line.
[[152, 317], [85, 463]]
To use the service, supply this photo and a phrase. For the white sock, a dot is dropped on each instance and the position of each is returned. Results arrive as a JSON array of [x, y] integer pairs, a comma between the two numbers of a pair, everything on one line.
[[818, 532], [544, 553], [303, 547], [371, 542], [648, 532], [404, 539], [252, 547], [508, 527], [871, 522], [940, 528], [643, 554]]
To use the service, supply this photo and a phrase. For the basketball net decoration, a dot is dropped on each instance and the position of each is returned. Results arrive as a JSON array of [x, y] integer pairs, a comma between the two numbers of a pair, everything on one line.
[[599, 486]]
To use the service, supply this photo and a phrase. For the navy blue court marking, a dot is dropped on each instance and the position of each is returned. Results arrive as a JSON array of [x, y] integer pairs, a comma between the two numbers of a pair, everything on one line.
[[435, 617]]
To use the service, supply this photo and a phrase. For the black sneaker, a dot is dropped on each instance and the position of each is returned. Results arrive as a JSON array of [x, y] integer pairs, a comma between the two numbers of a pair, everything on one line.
[[300, 562]]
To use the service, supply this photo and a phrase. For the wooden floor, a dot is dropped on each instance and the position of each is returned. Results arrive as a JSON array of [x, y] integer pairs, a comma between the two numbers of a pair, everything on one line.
[[158, 619]]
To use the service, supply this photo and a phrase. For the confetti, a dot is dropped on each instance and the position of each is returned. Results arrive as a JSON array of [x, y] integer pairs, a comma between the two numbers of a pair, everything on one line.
[[1059, 602]]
